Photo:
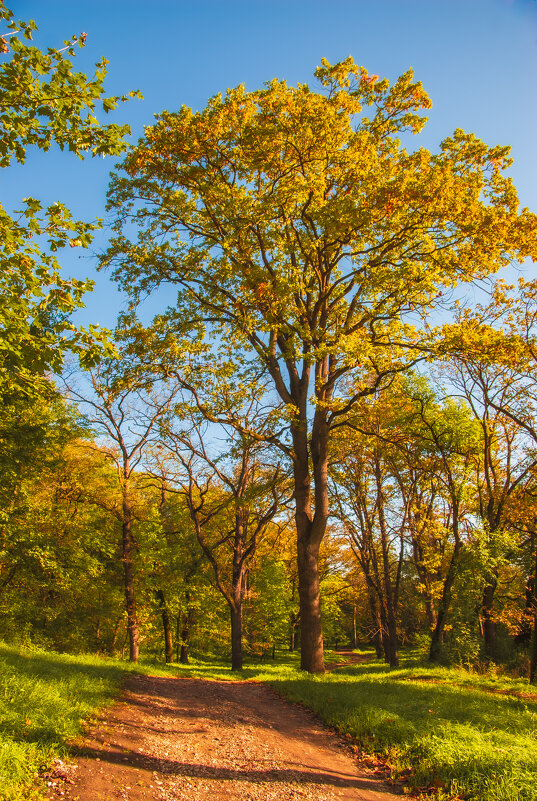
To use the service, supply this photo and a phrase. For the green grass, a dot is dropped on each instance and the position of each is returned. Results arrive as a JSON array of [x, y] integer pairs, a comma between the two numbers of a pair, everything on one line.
[[467, 735], [44, 699], [441, 728], [445, 731]]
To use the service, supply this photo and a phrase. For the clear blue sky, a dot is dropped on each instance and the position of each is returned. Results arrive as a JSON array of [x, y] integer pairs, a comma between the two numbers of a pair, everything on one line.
[[476, 58]]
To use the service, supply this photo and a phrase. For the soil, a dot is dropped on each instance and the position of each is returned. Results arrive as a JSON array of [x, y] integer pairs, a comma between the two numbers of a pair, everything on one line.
[[172, 739]]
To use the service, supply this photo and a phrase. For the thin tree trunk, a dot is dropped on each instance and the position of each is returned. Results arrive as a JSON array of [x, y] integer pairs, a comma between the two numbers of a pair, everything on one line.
[[184, 629], [178, 637], [168, 643], [376, 620], [392, 655], [490, 628], [533, 662], [292, 632], [115, 635], [437, 635], [424, 578]]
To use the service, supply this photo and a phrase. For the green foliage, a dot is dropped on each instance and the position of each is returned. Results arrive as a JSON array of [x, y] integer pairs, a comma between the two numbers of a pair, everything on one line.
[[58, 563], [43, 102], [268, 606], [333, 592]]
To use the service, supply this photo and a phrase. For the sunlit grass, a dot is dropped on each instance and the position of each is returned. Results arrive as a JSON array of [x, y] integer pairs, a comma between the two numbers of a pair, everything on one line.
[[439, 728], [44, 699], [466, 735], [444, 730]]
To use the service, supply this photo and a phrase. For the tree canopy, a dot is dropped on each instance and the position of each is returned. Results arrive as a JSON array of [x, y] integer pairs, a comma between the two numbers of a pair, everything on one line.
[[301, 230]]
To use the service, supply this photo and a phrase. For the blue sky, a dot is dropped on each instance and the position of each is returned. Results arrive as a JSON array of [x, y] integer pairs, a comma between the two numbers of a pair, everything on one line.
[[476, 58]]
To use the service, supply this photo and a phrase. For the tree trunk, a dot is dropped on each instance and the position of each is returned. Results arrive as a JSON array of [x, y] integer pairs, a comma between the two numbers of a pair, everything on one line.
[[128, 576], [533, 663], [311, 635], [437, 635], [236, 636], [184, 628], [425, 581], [113, 642], [430, 614], [376, 621], [490, 628], [390, 633], [293, 632], [168, 644], [310, 530], [438, 631]]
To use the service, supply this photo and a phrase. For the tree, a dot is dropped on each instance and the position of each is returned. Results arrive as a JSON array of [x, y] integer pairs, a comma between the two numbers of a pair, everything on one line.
[[58, 562], [180, 573], [362, 490], [43, 103], [495, 349], [123, 405], [231, 505], [303, 232]]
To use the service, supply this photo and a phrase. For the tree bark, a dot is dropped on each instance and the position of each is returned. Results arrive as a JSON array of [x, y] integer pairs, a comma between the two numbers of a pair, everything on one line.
[[167, 630], [310, 528], [128, 577], [236, 637], [311, 635]]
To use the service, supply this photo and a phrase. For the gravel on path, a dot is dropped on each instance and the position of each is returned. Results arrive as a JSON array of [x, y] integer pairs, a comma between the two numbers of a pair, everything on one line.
[[171, 739]]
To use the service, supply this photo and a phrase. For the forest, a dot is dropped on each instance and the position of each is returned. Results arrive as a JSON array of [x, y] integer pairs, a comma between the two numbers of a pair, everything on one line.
[[327, 434], [305, 456]]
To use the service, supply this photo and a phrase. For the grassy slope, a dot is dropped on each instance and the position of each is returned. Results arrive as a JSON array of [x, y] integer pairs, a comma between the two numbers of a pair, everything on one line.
[[437, 727], [44, 699]]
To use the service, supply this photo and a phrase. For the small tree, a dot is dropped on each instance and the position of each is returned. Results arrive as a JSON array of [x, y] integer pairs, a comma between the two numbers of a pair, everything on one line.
[[124, 407], [231, 502]]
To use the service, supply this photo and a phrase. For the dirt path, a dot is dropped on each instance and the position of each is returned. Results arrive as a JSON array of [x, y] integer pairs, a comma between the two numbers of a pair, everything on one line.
[[177, 739], [350, 659]]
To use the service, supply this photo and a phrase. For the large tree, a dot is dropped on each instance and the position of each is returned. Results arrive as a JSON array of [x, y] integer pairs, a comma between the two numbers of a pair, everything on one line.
[[302, 231]]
